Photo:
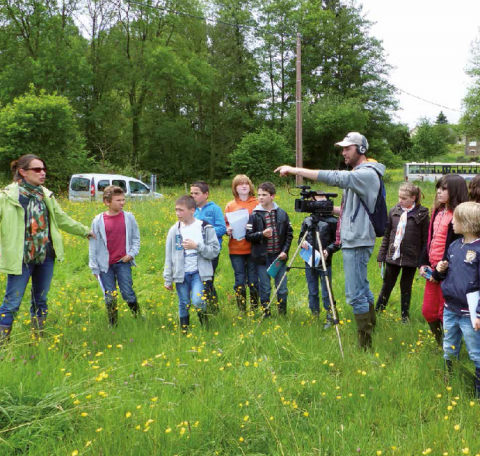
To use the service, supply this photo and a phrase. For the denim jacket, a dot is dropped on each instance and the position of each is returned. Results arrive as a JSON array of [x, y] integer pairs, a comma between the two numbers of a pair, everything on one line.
[[98, 251]]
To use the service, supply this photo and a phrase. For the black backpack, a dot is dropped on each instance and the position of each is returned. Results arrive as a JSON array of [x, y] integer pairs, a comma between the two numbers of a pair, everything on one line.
[[379, 216]]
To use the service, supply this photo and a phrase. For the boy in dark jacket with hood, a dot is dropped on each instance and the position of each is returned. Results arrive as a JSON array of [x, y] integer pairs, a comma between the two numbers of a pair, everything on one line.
[[271, 234]]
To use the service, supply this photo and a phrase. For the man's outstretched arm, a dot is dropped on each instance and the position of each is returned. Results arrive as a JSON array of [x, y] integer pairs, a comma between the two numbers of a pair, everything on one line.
[[285, 170]]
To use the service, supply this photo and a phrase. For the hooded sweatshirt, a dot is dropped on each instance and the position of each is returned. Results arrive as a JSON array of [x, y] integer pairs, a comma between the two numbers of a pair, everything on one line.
[[212, 214], [362, 182], [242, 247]]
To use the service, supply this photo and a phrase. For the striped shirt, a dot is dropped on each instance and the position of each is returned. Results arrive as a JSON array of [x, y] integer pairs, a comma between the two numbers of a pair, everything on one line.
[[273, 244]]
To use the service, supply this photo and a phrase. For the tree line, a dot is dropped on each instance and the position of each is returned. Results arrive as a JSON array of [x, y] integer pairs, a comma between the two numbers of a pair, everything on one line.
[[158, 86]]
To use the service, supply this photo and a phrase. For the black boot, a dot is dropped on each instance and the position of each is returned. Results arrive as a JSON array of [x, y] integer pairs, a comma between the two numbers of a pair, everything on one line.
[[254, 299], [282, 307], [112, 311], [381, 303], [448, 370], [266, 309], [241, 296], [5, 334], [211, 298], [373, 316], [477, 383], [38, 324], [329, 321], [405, 306], [437, 330], [184, 323], [203, 318], [134, 307], [364, 328]]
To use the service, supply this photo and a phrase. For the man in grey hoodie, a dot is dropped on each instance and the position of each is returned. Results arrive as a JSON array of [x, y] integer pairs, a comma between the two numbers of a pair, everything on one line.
[[356, 231]]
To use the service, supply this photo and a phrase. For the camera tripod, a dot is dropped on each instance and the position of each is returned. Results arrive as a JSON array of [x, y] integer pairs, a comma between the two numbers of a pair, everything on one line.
[[315, 235]]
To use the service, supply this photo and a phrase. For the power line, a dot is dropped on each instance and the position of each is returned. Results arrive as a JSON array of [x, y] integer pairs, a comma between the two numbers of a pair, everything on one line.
[[426, 101]]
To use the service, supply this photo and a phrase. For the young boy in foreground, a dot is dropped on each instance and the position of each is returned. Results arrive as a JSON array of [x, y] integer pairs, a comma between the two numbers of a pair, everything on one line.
[[461, 285], [190, 248], [271, 234], [113, 252]]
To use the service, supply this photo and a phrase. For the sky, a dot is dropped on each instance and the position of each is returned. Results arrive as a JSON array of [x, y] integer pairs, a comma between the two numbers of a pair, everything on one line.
[[428, 43]]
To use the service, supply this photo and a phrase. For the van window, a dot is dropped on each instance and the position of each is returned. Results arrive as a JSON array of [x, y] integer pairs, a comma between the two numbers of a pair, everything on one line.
[[121, 184], [80, 184], [136, 188], [102, 185]]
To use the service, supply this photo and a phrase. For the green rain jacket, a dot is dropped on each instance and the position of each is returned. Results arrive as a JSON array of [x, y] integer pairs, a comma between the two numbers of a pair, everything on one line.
[[12, 228]]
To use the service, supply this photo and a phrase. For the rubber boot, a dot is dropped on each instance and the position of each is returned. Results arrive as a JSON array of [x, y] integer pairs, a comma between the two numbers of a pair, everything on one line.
[[212, 298], [254, 299], [477, 383], [38, 325], [282, 307], [266, 310], [203, 318], [364, 329], [134, 307], [241, 296], [112, 311], [448, 370], [5, 332], [329, 321], [437, 330], [381, 303], [405, 307], [373, 316], [184, 323]]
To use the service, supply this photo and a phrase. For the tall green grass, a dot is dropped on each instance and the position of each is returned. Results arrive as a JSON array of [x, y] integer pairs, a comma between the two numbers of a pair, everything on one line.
[[277, 387]]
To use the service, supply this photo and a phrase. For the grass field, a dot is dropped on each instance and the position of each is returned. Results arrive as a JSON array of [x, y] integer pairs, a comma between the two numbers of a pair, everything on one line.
[[239, 388]]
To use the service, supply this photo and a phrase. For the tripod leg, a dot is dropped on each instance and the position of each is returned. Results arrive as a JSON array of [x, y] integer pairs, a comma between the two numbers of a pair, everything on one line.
[[330, 296], [275, 292]]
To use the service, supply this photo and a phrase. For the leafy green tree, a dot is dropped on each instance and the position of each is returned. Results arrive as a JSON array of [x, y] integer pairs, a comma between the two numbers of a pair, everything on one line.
[[259, 153], [428, 142], [44, 125]]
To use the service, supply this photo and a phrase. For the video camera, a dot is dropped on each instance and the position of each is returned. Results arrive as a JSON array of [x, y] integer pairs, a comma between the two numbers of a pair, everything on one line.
[[307, 203]]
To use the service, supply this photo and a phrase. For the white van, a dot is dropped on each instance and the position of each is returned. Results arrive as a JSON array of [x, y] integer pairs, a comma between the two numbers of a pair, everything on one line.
[[89, 187]]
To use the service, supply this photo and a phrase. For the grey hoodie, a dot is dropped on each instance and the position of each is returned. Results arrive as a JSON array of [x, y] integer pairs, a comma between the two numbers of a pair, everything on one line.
[[98, 251], [209, 249], [362, 182]]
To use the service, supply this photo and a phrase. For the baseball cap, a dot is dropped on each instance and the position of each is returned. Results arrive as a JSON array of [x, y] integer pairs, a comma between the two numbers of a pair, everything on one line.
[[354, 139]]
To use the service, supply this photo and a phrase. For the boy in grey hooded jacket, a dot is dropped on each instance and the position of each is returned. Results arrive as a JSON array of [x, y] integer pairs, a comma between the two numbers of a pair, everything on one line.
[[191, 246], [113, 252], [357, 234]]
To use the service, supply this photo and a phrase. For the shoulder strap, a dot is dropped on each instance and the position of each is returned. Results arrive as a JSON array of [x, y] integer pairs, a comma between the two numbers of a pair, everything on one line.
[[363, 202]]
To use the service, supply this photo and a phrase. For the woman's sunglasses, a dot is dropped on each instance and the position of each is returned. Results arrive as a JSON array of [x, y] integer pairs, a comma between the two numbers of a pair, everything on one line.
[[37, 170]]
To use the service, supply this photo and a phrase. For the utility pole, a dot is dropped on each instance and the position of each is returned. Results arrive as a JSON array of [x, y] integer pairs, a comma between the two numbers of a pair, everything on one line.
[[298, 129]]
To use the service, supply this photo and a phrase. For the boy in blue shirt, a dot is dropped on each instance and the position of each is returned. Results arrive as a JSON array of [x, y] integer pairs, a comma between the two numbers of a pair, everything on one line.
[[461, 287], [211, 213]]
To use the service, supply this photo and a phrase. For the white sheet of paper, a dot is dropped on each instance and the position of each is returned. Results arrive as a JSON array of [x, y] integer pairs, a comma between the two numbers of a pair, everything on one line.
[[472, 299], [307, 255], [238, 223]]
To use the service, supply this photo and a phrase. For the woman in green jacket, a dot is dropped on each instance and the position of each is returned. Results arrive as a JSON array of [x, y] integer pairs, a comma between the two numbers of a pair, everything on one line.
[[30, 240]]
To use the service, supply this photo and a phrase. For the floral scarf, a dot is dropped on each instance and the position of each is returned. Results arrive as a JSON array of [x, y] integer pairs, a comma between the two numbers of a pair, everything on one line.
[[36, 227], [402, 224]]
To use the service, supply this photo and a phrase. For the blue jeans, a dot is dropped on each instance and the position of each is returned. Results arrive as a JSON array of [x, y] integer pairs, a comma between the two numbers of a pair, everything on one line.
[[41, 275], [191, 290], [245, 271], [121, 273], [312, 276], [357, 287], [264, 280], [455, 326]]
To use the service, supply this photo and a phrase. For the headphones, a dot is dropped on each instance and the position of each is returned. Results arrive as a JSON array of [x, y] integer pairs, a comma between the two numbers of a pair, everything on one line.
[[363, 148]]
